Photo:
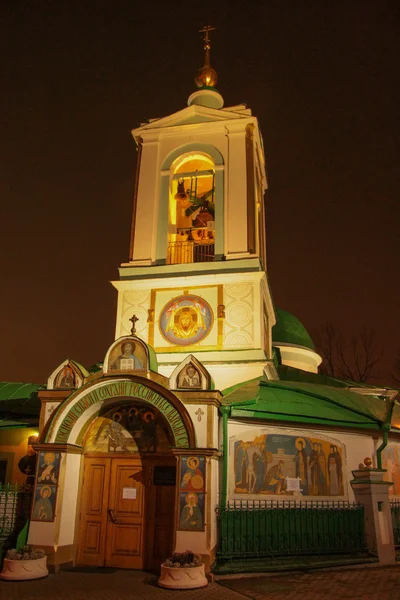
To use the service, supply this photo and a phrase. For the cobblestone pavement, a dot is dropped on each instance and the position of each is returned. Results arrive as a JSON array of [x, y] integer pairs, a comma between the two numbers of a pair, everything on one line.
[[108, 584], [367, 583], [358, 584]]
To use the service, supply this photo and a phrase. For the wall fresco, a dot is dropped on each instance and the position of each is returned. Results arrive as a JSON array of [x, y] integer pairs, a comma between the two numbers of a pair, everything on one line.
[[391, 462], [263, 464], [131, 428], [191, 493], [47, 479]]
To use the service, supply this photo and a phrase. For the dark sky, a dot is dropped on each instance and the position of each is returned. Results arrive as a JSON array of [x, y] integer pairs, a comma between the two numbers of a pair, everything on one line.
[[77, 76]]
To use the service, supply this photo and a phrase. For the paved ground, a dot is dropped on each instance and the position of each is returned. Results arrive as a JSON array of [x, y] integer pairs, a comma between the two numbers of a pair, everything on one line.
[[364, 583], [107, 585], [358, 584]]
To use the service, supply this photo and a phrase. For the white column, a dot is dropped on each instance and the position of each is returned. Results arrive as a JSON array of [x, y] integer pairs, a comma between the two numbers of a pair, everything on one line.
[[144, 248], [236, 193]]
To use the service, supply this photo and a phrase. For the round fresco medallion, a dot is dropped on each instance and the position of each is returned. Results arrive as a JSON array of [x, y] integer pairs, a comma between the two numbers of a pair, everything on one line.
[[186, 320]]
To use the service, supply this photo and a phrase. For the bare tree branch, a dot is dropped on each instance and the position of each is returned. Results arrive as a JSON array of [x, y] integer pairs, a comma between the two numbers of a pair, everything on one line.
[[348, 357], [396, 369]]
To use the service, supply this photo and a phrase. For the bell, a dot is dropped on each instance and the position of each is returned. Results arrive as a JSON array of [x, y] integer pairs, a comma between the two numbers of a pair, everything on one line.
[[203, 218], [180, 193]]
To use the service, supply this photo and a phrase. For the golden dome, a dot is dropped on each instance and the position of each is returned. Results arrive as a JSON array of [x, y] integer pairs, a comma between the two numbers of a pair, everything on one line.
[[206, 76]]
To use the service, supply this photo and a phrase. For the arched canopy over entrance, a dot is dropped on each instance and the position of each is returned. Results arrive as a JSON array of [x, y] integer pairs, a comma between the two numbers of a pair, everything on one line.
[[72, 416]]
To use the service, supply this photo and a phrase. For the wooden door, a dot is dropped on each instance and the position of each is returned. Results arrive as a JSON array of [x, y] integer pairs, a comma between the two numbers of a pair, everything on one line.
[[160, 525], [94, 512], [125, 543]]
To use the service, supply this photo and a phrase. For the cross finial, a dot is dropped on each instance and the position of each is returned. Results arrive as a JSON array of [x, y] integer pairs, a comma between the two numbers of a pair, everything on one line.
[[206, 29], [133, 320]]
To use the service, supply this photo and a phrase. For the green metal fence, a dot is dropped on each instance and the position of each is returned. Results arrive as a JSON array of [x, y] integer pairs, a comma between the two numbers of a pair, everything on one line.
[[288, 528], [395, 510], [15, 504]]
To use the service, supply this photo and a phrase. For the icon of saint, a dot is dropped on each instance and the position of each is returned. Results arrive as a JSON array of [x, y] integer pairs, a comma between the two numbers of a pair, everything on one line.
[[43, 510], [68, 379], [191, 378], [185, 322], [191, 517], [127, 361], [193, 476], [47, 470]]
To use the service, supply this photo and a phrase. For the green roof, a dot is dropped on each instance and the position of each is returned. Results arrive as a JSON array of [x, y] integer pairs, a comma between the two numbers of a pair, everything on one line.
[[287, 373], [19, 399], [289, 330], [153, 362], [305, 403], [95, 368], [20, 424]]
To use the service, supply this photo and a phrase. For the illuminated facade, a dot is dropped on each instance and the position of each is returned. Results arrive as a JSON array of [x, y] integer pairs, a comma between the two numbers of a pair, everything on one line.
[[208, 393]]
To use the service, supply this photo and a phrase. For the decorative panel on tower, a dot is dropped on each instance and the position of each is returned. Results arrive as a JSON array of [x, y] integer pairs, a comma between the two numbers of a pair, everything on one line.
[[184, 318]]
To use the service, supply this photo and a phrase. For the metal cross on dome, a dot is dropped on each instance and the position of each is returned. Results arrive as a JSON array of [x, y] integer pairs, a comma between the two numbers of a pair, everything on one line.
[[134, 320], [206, 29]]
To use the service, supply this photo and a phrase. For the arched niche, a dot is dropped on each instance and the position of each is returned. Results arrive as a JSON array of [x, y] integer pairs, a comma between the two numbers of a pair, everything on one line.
[[127, 427], [69, 375], [208, 149], [190, 223], [77, 412], [189, 375]]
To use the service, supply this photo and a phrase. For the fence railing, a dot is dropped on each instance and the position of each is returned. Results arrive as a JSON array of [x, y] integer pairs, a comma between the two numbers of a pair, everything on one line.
[[287, 528], [189, 252], [395, 510], [15, 503]]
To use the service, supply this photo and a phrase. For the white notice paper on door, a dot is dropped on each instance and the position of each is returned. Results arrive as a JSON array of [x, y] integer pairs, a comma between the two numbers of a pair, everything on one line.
[[129, 493]]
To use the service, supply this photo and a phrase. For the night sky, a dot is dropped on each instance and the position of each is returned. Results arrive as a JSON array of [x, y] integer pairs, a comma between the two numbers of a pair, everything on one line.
[[77, 76]]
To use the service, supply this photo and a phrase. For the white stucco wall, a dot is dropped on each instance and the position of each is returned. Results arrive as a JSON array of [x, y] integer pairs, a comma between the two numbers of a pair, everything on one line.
[[70, 499]]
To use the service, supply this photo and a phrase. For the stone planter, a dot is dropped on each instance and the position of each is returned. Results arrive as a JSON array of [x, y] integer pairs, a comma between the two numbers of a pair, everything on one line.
[[18, 570], [182, 578]]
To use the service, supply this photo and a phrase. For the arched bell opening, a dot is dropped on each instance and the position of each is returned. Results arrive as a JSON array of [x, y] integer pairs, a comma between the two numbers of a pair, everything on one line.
[[128, 493]]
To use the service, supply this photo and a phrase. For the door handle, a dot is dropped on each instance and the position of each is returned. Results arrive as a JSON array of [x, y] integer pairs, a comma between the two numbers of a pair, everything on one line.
[[112, 516]]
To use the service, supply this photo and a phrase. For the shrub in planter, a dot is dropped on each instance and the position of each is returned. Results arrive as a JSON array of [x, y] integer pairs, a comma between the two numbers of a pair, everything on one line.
[[183, 571], [26, 563]]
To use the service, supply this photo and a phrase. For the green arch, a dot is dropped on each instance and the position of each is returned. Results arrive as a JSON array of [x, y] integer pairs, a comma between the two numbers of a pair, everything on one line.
[[169, 406]]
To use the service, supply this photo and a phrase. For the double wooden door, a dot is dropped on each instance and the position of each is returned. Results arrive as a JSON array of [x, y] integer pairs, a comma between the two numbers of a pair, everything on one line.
[[125, 521]]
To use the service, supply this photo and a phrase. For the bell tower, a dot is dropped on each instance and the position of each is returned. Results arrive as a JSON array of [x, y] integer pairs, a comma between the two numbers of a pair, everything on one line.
[[196, 272]]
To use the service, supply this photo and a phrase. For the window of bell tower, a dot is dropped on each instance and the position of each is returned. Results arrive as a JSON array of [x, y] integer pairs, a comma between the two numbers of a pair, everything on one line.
[[191, 213]]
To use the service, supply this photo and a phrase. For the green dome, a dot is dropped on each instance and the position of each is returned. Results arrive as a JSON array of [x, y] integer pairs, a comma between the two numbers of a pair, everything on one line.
[[289, 330], [153, 362]]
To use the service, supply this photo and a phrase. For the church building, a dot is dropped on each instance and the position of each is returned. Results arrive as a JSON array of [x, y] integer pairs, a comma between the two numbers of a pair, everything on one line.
[[209, 395]]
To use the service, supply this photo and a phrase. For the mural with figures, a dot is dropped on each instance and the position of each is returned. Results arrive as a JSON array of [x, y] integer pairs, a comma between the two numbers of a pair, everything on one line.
[[131, 428], [391, 462], [263, 464]]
